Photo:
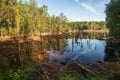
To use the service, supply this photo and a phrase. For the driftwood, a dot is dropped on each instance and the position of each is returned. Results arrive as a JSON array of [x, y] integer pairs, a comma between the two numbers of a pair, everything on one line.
[[42, 72], [84, 68]]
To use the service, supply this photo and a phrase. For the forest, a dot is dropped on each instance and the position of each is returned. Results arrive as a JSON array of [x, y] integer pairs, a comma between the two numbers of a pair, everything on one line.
[[101, 25], [35, 45], [18, 18]]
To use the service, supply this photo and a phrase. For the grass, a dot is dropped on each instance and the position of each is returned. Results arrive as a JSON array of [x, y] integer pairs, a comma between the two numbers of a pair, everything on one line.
[[28, 72], [64, 75], [20, 73], [73, 76]]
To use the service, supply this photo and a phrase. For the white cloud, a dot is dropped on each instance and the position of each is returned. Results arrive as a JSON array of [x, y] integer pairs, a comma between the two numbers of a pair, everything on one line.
[[89, 7], [76, 1]]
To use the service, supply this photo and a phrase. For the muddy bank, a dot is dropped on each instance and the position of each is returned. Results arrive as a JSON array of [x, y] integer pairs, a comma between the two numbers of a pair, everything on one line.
[[33, 38]]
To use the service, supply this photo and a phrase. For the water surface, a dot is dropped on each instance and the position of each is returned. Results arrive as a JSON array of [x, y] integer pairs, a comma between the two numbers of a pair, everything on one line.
[[86, 51], [86, 48]]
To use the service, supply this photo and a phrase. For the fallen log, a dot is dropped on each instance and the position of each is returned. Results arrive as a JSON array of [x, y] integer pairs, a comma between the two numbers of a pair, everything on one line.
[[84, 68]]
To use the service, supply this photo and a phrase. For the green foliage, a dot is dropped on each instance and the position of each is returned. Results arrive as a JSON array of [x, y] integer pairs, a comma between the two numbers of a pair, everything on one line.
[[26, 18], [88, 76], [66, 76], [88, 25], [8, 73], [11, 75], [18, 74], [45, 76], [113, 17], [117, 56]]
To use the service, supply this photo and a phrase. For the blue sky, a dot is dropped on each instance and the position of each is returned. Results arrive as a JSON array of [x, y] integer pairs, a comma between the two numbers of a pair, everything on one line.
[[77, 10]]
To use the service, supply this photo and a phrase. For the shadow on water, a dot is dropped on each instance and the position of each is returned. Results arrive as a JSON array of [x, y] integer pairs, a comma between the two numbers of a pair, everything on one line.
[[113, 44], [86, 48], [112, 50]]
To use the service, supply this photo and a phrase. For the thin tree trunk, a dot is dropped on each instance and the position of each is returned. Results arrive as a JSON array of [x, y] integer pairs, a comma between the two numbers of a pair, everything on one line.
[[8, 31], [1, 34]]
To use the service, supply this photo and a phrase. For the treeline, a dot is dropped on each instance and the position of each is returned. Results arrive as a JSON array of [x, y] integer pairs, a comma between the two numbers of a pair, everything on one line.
[[26, 18], [18, 18], [88, 25]]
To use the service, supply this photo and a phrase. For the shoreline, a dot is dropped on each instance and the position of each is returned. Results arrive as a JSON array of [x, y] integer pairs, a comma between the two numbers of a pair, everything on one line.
[[44, 35]]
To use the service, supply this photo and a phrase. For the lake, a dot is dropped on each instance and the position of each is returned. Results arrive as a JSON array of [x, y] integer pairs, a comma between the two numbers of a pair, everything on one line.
[[86, 51], [86, 48]]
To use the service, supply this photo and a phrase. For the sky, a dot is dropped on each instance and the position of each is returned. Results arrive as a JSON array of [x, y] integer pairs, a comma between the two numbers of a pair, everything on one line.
[[77, 10]]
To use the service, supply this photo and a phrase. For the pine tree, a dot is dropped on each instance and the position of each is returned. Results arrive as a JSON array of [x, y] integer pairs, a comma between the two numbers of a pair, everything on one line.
[[113, 17]]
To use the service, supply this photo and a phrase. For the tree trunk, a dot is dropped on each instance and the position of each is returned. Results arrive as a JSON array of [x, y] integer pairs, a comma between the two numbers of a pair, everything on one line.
[[1, 34], [8, 31]]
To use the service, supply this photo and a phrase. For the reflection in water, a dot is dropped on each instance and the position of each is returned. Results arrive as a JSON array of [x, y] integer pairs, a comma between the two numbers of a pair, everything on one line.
[[112, 50], [88, 52], [81, 48]]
